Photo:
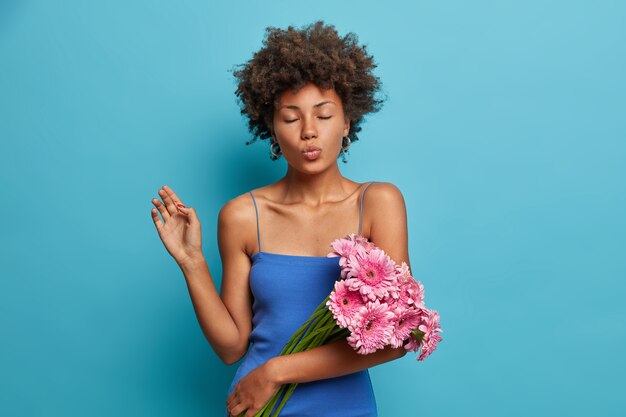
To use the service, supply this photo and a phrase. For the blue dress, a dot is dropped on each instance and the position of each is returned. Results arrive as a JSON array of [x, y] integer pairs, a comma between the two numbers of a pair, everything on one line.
[[286, 290]]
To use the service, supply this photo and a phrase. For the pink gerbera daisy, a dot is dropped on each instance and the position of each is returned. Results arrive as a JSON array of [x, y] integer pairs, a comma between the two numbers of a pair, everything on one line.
[[372, 274], [404, 321], [425, 335], [430, 327], [344, 246], [344, 304], [415, 339], [411, 290], [371, 328], [361, 240]]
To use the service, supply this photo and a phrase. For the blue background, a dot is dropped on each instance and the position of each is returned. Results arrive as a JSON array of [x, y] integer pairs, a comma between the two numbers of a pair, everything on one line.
[[504, 129]]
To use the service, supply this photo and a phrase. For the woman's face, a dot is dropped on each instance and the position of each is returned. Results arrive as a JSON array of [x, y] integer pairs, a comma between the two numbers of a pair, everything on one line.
[[310, 118]]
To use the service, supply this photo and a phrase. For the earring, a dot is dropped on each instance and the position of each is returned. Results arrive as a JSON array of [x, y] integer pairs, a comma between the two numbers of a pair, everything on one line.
[[343, 149], [276, 155]]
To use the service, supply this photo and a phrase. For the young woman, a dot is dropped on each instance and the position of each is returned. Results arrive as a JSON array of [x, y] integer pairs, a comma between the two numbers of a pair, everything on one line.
[[307, 91]]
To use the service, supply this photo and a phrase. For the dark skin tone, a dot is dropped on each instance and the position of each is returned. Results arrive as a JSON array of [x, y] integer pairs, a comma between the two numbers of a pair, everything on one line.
[[314, 198]]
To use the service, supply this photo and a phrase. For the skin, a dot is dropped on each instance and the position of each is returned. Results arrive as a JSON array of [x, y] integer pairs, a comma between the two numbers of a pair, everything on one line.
[[313, 198], [310, 116]]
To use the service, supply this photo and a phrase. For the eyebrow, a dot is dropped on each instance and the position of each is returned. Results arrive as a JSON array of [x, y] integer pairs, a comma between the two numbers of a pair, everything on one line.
[[291, 106]]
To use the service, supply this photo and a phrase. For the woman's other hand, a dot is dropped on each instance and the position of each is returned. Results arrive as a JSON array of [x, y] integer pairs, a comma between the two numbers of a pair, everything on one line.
[[253, 391], [180, 229]]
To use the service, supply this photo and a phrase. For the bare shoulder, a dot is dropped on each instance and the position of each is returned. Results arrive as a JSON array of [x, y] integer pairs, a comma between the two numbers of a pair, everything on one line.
[[385, 191], [384, 211], [237, 219], [237, 209], [381, 198], [385, 206]]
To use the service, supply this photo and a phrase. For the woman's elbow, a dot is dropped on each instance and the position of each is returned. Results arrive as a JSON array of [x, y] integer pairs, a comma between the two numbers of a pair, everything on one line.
[[233, 356]]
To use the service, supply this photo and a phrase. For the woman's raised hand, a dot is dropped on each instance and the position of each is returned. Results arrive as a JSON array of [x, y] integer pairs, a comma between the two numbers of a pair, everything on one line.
[[180, 229]]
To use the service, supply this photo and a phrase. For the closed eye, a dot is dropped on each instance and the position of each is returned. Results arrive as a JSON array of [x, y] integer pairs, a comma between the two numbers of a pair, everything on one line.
[[324, 118]]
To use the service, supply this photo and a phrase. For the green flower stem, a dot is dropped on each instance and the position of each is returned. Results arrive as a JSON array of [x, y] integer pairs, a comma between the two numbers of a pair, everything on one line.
[[267, 408], [341, 334], [311, 340], [322, 322], [329, 332], [294, 340], [309, 337], [313, 333], [323, 303], [290, 390], [317, 341], [302, 329], [321, 308], [418, 334], [318, 315], [327, 327]]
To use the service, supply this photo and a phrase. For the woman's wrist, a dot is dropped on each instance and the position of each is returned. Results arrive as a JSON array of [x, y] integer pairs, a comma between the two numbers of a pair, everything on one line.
[[193, 263], [275, 370]]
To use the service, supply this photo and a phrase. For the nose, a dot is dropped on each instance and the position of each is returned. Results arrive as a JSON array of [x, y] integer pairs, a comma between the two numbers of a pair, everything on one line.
[[309, 130]]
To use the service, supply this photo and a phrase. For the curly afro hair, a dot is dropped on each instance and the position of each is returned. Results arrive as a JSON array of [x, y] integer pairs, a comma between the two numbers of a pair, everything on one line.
[[291, 58]]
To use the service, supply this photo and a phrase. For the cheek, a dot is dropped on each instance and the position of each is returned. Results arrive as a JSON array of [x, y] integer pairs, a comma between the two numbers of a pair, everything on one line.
[[332, 130]]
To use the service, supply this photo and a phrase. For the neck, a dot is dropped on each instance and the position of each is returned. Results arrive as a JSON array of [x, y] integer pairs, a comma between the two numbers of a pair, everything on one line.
[[314, 189]]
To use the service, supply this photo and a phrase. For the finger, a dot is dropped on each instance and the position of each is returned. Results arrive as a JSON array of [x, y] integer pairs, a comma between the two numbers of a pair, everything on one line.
[[189, 212], [169, 203], [232, 396], [155, 218], [238, 409], [251, 412], [231, 407], [173, 195], [173, 198], [164, 213]]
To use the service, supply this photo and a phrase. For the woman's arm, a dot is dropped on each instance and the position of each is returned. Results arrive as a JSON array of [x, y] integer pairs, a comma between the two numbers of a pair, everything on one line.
[[384, 215], [216, 322], [327, 361], [225, 319]]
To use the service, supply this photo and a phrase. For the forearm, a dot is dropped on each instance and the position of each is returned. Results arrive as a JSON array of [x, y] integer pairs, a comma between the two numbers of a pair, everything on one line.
[[328, 361], [214, 318]]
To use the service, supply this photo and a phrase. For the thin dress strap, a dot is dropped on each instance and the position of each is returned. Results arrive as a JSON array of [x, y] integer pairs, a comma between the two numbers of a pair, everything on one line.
[[361, 205], [258, 232]]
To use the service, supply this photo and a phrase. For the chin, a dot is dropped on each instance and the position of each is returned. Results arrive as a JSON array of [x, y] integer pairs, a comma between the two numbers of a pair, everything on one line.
[[313, 169]]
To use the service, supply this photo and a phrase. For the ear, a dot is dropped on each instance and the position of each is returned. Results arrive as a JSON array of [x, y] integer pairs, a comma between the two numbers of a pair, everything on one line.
[[346, 126]]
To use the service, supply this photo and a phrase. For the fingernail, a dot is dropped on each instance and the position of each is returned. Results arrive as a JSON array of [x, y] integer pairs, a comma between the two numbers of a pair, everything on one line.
[[181, 205]]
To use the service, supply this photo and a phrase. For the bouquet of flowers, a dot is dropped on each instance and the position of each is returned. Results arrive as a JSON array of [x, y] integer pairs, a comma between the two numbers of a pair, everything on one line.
[[375, 303]]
